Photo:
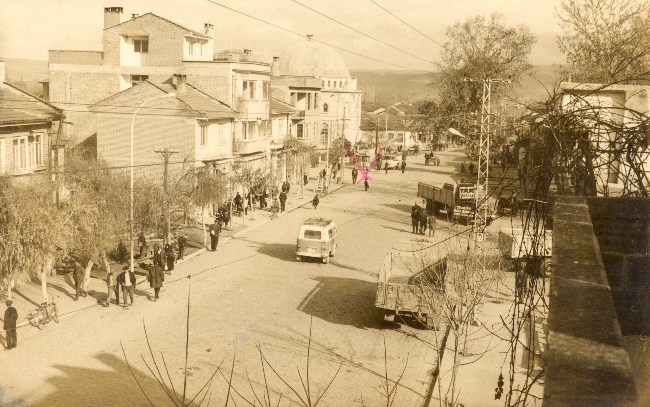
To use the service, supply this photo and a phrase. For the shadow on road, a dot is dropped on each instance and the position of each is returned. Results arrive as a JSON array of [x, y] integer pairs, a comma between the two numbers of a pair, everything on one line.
[[112, 385], [280, 251], [343, 301]]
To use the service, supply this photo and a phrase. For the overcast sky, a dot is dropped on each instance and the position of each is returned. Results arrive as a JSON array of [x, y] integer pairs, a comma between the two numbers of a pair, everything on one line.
[[28, 28]]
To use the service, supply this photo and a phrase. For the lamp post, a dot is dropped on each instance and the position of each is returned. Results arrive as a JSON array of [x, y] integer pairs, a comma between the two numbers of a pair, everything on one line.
[[127, 281]]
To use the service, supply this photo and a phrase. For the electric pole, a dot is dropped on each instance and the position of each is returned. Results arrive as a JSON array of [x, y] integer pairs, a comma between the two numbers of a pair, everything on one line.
[[377, 135], [165, 153]]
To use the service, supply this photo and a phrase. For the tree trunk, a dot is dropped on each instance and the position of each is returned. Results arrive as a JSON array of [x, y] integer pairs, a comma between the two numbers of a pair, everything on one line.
[[107, 264], [204, 211], [47, 267], [86, 282], [10, 287]]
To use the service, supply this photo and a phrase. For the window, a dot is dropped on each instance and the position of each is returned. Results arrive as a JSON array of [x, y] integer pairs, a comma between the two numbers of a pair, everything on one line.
[[299, 130], [308, 101], [329, 84], [312, 234], [243, 131], [204, 135], [340, 84], [222, 134], [249, 90], [323, 83], [141, 46], [135, 79], [324, 132], [20, 153], [325, 107], [265, 90], [38, 150], [315, 100], [191, 50]]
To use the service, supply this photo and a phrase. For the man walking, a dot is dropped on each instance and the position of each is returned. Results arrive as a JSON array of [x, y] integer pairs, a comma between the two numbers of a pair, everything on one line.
[[214, 236], [283, 200], [431, 222], [111, 283], [315, 201], [11, 316], [462, 168], [422, 218], [78, 277], [366, 185], [403, 166], [126, 280], [156, 279], [182, 243], [275, 207], [158, 256], [355, 174], [142, 243], [415, 215], [386, 167]]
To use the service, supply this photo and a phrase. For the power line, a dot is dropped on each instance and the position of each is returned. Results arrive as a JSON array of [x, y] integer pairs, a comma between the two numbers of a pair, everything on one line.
[[364, 34], [312, 39], [409, 25]]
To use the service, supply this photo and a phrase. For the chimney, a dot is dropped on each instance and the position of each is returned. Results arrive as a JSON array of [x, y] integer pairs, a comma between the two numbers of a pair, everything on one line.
[[134, 16], [247, 55], [180, 83], [208, 29], [2, 71], [275, 65], [112, 16]]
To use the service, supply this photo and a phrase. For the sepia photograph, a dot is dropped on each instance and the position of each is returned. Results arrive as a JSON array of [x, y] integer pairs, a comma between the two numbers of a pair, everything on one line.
[[275, 203]]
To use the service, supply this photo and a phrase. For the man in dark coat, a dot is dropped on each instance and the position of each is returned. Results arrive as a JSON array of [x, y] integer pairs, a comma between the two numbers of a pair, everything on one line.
[[386, 167], [11, 316], [365, 184], [238, 203], [315, 201], [78, 277], [283, 200], [128, 285], [159, 256], [422, 219], [403, 166], [355, 174], [415, 217], [156, 279], [182, 244], [214, 237], [142, 243], [170, 259]]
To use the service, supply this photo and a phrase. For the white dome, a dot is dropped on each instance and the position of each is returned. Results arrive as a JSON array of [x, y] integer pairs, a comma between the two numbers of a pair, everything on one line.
[[311, 58]]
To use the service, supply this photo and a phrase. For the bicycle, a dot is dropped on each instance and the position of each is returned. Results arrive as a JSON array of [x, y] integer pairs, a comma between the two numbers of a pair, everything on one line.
[[45, 313]]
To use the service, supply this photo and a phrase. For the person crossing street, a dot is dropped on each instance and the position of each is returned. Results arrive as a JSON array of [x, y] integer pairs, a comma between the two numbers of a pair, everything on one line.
[[11, 316], [283, 200]]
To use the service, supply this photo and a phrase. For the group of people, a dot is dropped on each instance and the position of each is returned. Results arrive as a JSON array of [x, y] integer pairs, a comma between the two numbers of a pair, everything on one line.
[[421, 220], [470, 168]]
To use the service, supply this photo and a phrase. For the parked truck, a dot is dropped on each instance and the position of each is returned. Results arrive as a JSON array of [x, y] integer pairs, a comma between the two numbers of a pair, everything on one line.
[[457, 200], [528, 248], [409, 280]]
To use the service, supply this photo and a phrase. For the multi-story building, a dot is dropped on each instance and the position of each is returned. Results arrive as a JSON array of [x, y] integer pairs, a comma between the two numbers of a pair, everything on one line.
[[28, 130], [314, 79]]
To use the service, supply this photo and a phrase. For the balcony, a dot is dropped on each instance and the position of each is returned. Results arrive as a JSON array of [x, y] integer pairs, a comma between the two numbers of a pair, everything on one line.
[[253, 109], [241, 146]]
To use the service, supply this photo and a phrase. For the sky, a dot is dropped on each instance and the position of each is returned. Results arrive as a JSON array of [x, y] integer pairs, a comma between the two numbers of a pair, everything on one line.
[[29, 28]]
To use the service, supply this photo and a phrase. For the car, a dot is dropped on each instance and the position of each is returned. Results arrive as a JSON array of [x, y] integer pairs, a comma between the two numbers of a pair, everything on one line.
[[316, 239], [393, 162]]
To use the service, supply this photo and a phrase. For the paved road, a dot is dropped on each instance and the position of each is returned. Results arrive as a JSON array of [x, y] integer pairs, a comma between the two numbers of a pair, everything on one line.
[[251, 292]]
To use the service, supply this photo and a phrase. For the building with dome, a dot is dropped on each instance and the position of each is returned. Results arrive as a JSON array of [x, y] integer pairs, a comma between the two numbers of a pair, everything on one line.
[[314, 79]]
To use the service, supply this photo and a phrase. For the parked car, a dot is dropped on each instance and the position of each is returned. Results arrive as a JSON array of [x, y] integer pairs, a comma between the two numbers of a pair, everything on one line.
[[393, 162], [316, 238]]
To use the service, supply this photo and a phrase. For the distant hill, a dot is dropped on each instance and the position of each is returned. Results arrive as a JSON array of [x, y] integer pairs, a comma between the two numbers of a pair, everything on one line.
[[391, 86], [25, 73]]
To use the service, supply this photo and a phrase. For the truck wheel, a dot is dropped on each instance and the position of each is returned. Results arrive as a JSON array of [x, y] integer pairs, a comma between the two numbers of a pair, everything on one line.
[[298, 258], [389, 316], [326, 259]]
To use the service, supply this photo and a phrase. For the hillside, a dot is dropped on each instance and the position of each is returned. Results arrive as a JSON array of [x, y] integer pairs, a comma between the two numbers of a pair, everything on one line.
[[25, 73]]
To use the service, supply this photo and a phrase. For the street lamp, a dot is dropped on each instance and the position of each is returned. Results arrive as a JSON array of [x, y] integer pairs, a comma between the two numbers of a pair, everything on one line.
[[131, 268]]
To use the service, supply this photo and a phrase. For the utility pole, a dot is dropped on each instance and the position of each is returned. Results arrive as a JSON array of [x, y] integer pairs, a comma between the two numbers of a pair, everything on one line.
[[377, 136], [165, 154], [481, 192], [342, 145]]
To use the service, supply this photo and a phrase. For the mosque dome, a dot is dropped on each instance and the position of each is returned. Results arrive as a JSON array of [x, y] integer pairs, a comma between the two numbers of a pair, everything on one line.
[[311, 58]]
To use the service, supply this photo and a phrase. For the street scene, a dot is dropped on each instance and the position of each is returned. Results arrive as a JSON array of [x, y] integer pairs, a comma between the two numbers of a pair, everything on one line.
[[302, 204]]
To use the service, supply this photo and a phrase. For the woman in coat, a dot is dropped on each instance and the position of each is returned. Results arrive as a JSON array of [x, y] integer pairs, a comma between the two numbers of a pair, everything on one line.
[[170, 258], [156, 279]]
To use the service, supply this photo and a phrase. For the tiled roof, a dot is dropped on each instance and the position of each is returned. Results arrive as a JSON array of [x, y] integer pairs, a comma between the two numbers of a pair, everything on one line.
[[279, 107], [194, 33], [200, 102], [21, 107]]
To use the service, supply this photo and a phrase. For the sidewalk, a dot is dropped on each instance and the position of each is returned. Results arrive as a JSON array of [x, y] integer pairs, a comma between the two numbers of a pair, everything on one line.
[[27, 297]]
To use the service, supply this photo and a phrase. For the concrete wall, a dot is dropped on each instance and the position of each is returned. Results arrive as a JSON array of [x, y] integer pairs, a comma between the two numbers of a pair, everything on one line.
[[586, 363], [622, 226]]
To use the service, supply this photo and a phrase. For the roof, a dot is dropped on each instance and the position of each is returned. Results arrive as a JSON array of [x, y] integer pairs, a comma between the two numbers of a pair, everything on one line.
[[20, 107], [279, 107], [194, 33], [369, 122], [194, 101], [317, 222], [311, 58]]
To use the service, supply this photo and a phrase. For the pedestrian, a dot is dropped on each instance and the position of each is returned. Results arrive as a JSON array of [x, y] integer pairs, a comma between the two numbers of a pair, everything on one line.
[[111, 283], [403, 166], [415, 216], [462, 168], [78, 277], [182, 243], [305, 179], [315, 201], [170, 258], [386, 167], [275, 207], [355, 174], [283, 200], [11, 316], [238, 203], [471, 168], [126, 280], [214, 236], [225, 215], [431, 223], [158, 256], [365, 184], [156, 279], [142, 243], [334, 172], [324, 173], [422, 220]]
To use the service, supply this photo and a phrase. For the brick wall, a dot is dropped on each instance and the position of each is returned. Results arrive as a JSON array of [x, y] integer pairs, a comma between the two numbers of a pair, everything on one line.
[[586, 363], [82, 88], [214, 85], [76, 57], [165, 40], [622, 226]]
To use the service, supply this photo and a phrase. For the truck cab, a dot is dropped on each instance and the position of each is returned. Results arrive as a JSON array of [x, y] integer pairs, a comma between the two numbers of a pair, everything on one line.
[[317, 239]]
